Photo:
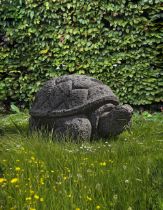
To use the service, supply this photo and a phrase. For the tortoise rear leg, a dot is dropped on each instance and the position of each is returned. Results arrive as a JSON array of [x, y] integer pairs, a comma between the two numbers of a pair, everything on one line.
[[75, 127]]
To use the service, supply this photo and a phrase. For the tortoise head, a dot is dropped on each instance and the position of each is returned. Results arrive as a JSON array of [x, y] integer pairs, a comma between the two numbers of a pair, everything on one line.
[[114, 122]]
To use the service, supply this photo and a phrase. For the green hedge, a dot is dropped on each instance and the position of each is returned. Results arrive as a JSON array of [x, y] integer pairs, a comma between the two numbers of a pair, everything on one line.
[[116, 41]]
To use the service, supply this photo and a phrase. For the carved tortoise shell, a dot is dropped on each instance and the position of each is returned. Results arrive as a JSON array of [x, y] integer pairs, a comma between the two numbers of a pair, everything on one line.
[[70, 95]]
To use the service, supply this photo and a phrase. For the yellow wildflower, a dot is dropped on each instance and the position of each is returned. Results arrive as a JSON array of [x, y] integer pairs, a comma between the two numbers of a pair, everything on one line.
[[41, 199], [32, 192], [28, 198], [69, 196], [89, 198], [17, 168], [77, 209], [36, 197], [65, 177], [32, 209], [2, 180], [14, 180], [103, 164], [98, 207], [41, 181], [59, 183], [32, 158]]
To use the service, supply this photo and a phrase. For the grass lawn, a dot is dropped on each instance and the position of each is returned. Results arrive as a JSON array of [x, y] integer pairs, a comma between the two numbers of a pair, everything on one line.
[[125, 173]]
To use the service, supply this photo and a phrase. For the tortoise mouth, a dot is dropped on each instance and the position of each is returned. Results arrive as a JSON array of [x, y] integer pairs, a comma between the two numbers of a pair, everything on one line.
[[84, 108]]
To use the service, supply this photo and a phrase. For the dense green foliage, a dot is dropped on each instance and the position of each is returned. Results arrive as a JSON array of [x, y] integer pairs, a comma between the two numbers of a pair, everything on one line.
[[115, 41], [125, 173]]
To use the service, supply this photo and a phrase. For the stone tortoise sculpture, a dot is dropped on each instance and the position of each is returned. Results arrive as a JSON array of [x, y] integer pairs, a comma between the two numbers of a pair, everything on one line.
[[80, 106]]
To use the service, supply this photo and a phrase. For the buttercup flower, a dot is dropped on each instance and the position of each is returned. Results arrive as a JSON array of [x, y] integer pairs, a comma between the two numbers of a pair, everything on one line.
[[17, 169], [32, 158], [28, 199], [2, 180], [69, 196], [103, 164], [89, 198], [41, 181], [36, 197], [41, 199], [32, 192], [14, 180]]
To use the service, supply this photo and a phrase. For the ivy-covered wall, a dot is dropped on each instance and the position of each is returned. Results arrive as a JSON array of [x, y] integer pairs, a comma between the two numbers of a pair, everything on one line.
[[116, 41]]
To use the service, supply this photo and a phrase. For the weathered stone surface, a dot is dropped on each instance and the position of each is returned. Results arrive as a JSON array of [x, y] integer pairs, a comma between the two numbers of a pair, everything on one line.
[[80, 106]]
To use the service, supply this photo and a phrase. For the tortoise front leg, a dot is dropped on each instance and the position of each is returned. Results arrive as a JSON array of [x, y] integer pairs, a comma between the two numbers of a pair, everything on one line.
[[95, 117]]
